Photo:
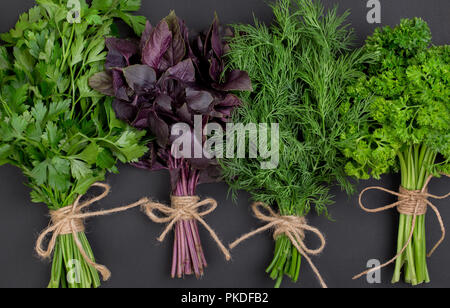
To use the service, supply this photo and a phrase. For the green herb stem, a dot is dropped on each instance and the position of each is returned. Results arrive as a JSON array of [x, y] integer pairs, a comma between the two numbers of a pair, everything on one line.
[[415, 166]]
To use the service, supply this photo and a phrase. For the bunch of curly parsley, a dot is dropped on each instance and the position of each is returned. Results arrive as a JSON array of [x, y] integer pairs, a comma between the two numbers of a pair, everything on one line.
[[409, 127]]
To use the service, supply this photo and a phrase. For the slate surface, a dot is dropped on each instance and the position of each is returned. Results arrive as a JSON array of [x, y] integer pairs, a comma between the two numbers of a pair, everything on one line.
[[126, 242]]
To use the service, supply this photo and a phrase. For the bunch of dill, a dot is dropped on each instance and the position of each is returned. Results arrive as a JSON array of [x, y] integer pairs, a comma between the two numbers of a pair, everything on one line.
[[300, 67]]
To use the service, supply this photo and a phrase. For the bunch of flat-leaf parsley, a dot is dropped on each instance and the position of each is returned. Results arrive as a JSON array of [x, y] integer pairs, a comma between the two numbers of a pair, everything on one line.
[[63, 135]]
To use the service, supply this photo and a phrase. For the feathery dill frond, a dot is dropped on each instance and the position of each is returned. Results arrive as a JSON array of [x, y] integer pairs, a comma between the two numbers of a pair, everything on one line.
[[300, 67]]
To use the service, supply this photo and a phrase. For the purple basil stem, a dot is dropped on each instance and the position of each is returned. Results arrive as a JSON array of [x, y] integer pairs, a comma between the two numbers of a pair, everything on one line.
[[164, 79]]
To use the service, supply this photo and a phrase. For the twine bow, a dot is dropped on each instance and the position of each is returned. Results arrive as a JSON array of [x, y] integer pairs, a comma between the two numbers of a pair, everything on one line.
[[69, 220], [184, 208], [293, 227], [410, 202]]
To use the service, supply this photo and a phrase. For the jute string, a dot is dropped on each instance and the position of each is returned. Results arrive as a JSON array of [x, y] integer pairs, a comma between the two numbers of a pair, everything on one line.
[[412, 203], [293, 227], [69, 220], [184, 208]]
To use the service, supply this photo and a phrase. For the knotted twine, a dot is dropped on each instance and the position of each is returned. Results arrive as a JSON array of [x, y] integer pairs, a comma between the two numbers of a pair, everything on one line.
[[412, 203], [69, 220], [293, 227], [184, 208]]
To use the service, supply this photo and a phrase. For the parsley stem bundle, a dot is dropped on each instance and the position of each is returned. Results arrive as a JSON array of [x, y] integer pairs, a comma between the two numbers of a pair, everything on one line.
[[73, 275], [63, 135], [414, 165]]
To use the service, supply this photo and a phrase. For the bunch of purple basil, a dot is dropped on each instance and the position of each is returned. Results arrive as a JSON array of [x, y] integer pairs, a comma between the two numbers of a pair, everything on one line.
[[166, 79]]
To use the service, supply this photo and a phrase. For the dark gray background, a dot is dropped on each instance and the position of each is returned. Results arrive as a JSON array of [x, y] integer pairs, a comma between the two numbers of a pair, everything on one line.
[[126, 242]]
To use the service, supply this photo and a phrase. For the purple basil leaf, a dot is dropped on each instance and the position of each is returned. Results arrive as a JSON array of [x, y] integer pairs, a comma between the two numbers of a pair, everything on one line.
[[146, 35], [177, 47], [236, 81], [141, 120], [223, 109], [159, 128], [125, 48], [103, 83], [124, 110], [185, 32], [157, 45], [119, 85], [229, 101], [200, 46], [215, 70], [204, 41], [140, 78], [211, 49], [184, 114], [216, 39], [183, 71], [164, 103], [199, 101], [115, 59]]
